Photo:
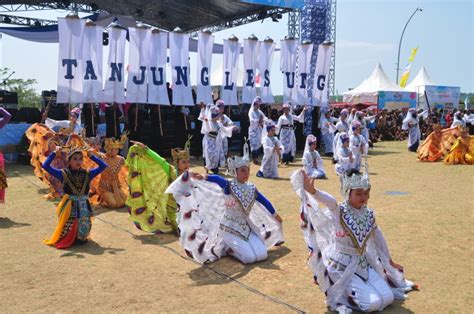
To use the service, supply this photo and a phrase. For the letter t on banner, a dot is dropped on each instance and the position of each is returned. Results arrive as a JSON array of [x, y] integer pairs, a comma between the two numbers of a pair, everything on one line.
[[288, 68], [114, 90], [229, 77], [204, 62], [179, 55], [320, 86], [249, 91], [264, 65], [70, 76], [139, 63]]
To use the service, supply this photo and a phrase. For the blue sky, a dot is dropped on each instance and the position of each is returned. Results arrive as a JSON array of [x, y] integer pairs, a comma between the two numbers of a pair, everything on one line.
[[367, 32]]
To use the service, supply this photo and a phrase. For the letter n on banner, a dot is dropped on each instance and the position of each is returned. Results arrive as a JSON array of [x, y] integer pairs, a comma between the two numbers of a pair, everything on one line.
[[320, 86], [204, 62], [114, 90], [157, 92], [305, 51], [288, 68], [70, 71], [179, 55]]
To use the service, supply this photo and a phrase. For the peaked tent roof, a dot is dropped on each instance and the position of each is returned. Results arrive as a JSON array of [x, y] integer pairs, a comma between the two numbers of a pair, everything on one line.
[[377, 81], [421, 79]]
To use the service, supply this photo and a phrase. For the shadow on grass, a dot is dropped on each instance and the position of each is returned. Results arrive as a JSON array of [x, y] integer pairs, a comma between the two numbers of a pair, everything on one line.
[[215, 273], [381, 152], [89, 248], [157, 239], [6, 223], [99, 210]]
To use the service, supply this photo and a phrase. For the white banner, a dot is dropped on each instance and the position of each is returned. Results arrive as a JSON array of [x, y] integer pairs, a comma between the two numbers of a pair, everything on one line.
[[138, 64], [204, 63], [288, 69], [320, 86], [92, 51], [157, 91], [114, 90], [179, 57], [229, 78], [249, 89], [265, 60], [70, 75], [304, 65]]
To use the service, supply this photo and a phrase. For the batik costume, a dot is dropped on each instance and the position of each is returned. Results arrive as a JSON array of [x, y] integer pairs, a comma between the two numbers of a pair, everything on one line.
[[272, 150], [341, 126], [437, 144], [74, 211], [411, 123], [257, 119], [462, 152], [214, 134], [349, 256], [67, 126], [362, 119], [112, 183], [5, 116], [358, 146], [458, 120], [285, 129], [151, 209], [312, 161], [227, 122], [327, 131], [219, 217], [343, 157]]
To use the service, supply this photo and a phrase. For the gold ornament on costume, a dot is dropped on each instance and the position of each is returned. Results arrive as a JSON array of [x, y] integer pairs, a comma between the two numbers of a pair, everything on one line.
[[112, 143], [181, 154]]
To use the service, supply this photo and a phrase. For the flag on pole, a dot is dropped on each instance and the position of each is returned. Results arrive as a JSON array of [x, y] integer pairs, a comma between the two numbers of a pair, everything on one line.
[[407, 70]]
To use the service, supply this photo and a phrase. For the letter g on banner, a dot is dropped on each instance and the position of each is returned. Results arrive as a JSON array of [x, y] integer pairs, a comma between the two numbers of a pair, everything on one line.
[[321, 82]]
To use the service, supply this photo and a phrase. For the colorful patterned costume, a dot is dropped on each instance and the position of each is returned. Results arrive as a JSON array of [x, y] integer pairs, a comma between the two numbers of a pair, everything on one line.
[[149, 174], [74, 211], [437, 144], [5, 117], [462, 151]]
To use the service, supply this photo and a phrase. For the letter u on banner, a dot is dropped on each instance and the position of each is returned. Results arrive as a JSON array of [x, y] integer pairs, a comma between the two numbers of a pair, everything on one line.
[[70, 63], [229, 78], [288, 69], [264, 65], [138, 64], [114, 90], [157, 92], [249, 89], [179, 55], [204, 62], [320, 86], [92, 51], [304, 64]]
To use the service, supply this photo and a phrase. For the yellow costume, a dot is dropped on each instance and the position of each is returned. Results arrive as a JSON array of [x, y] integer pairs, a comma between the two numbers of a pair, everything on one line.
[[462, 151], [437, 144]]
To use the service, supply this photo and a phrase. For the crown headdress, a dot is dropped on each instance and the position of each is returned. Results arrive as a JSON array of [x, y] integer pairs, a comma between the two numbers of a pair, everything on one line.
[[235, 162], [179, 154], [112, 143], [355, 180], [75, 144]]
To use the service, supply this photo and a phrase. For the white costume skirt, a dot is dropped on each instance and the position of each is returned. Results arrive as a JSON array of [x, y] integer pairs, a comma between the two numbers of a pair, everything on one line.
[[247, 251]]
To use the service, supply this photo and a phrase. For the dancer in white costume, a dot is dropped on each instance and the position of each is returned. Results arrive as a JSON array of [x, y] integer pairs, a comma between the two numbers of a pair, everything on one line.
[[349, 256], [285, 128], [458, 120], [312, 161], [341, 126], [257, 119], [272, 150], [411, 123], [219, 217], [357, 145], [327, 131], [227, 122], [361, 117], [214, 133], [71, 126]]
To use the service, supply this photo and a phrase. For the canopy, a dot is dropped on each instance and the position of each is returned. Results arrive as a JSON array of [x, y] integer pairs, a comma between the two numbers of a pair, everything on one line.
[[421, 79]]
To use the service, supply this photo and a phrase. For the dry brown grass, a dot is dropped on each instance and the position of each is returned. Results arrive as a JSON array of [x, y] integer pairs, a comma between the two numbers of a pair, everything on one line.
[[429, 231]]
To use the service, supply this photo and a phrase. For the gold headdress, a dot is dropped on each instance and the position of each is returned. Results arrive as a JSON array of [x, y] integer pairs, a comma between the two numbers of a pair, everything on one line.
[[112, 143], [180, 154], [75, 144]]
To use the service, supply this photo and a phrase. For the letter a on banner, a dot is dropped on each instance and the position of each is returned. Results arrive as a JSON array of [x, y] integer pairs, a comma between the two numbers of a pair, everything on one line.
[[265, 59], [305, 51], [320, 86], [288, 69], [251, 50], [138, 64], [229, 78], [114, 90], [204, 62], [70, 75], [179, 55], [157, 91], [92, 51]]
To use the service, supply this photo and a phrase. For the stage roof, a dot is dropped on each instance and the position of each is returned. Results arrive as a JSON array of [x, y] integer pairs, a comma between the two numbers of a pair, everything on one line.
[[190, 15]]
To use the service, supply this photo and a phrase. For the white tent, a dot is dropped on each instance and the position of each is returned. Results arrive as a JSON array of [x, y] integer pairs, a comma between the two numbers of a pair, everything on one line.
[[421, 79], [368, 90]]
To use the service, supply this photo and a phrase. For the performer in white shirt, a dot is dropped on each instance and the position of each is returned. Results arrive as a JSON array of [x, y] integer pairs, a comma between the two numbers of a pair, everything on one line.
[[285, 128], [312, 161], [257, 119], [272, 150]]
